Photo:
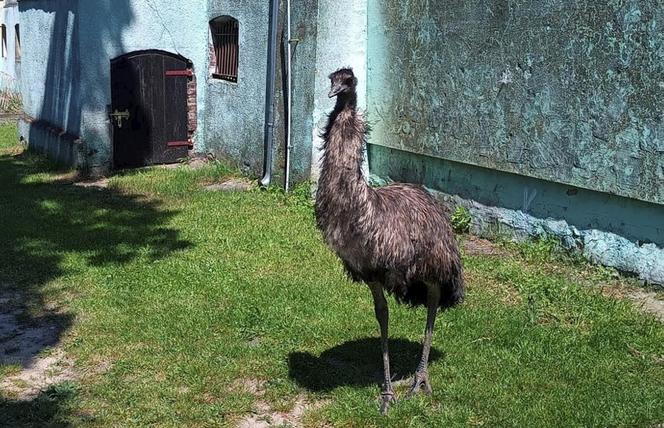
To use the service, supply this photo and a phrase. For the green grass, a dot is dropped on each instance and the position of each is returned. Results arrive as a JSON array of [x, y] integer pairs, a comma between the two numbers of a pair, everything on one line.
[[173, 298]]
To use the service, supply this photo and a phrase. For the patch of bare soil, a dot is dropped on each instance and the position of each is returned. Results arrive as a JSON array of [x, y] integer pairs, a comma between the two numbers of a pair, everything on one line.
[[38, 376], [647, 301], [643, 299], [475, 246], [263, 416], [100, 183], [30, 346], [231, 185], [199, 161]]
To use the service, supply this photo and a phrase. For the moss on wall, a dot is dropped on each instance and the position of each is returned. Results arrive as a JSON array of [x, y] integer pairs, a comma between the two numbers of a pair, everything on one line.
[[565, 91]]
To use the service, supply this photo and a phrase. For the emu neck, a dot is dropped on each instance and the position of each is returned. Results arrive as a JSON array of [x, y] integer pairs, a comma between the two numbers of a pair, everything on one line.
[[344, 148], [347, 100]]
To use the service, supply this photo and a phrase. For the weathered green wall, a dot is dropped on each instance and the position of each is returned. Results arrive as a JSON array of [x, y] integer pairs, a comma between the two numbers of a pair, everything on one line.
[[303, 32], [235, 112], [341, 42], [565, 91], [636, 220]]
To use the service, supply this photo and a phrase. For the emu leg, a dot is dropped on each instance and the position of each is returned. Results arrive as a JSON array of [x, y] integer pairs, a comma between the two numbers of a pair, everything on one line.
[[421, 379], [380, 307]]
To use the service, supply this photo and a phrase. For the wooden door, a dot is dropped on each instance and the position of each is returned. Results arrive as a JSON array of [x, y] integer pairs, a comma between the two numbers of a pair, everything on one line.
[[149, 108]]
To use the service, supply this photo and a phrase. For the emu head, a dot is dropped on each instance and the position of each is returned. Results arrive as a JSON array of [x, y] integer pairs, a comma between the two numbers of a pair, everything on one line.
[[343, 81]]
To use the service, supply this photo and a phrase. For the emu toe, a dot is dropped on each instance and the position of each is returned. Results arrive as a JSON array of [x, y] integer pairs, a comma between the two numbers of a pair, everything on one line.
[[420, 384], [387, 398]]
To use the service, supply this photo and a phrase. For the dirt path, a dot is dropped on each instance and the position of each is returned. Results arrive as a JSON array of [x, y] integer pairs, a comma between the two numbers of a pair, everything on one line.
[[647, 301], [31, 345], [263, 416]]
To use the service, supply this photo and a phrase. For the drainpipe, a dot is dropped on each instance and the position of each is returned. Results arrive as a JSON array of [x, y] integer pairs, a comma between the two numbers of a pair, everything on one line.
[[269, 93], [289, 91]]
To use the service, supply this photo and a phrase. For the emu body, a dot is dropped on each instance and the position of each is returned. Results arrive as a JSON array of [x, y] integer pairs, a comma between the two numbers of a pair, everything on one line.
[[396, 238]]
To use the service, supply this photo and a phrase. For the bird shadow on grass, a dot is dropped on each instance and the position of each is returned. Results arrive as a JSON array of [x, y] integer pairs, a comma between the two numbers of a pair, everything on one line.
[[355, 363]]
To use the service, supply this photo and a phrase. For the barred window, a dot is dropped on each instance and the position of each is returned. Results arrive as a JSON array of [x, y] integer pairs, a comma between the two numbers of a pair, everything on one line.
[[225, 41], [17, 51], [4, 40]]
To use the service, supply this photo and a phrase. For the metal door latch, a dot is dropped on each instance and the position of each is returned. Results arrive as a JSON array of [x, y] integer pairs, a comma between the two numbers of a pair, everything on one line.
[[119, 116]]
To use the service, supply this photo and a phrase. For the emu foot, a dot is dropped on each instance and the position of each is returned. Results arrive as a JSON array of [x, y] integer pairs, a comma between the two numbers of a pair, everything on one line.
[[387, 398], [420, 383]]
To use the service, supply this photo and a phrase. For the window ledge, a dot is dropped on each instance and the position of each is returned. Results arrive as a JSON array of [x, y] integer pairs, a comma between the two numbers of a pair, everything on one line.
[[224, 78]]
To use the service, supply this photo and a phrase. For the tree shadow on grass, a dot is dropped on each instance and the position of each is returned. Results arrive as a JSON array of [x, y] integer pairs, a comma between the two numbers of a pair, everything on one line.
[[50, 230], [51, 408], [355, 363]]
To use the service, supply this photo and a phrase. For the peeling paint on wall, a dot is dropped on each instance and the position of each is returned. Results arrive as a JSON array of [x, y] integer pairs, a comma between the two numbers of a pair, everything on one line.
[[612, 230], [645, 261], [569, 92], [638, 221]]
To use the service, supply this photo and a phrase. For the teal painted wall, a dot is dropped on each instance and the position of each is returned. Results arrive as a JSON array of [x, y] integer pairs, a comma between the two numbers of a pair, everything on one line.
[[586, 209], [67, 49], [567, 92], [9, 65], [235, 111], [68, 46]]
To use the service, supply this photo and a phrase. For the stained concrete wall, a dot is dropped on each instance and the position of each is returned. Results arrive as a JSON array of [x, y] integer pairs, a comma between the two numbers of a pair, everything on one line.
[[67, 49], [304, 31], [342, 42], [235, 112], [9, 17], [541, 117], [566, 92]]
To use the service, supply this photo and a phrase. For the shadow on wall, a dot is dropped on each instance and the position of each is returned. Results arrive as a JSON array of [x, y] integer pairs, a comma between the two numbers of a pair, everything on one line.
[[68, 90], [52, 230]]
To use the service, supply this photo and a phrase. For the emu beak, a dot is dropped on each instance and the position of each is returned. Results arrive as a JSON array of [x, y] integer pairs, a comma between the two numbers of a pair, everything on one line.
[[335, 91]]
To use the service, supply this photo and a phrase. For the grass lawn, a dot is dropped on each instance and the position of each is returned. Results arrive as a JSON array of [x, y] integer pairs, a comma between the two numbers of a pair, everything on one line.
[[183, 307]]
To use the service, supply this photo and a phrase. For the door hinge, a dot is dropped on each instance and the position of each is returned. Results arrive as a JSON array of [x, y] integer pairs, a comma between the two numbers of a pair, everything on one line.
[[175, 73], [188, 144]]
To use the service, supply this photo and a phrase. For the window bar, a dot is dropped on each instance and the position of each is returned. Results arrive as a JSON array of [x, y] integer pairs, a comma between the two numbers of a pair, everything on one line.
[[236, 44], [226, 49]]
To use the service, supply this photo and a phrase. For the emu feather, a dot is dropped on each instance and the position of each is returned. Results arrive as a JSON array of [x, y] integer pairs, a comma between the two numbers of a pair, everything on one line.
[[396, 238]]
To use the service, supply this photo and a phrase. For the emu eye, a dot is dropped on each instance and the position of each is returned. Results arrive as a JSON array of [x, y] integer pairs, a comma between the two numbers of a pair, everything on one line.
[[349, 81]]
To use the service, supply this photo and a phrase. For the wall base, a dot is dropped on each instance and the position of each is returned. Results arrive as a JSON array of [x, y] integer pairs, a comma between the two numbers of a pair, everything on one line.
[[645, 261], [618, 232], [59, 146]]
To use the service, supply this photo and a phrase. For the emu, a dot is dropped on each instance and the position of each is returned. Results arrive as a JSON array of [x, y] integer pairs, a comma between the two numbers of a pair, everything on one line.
[[395, 238]]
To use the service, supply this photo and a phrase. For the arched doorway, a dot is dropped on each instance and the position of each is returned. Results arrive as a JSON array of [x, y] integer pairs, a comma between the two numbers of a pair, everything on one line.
[[149, 108]]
